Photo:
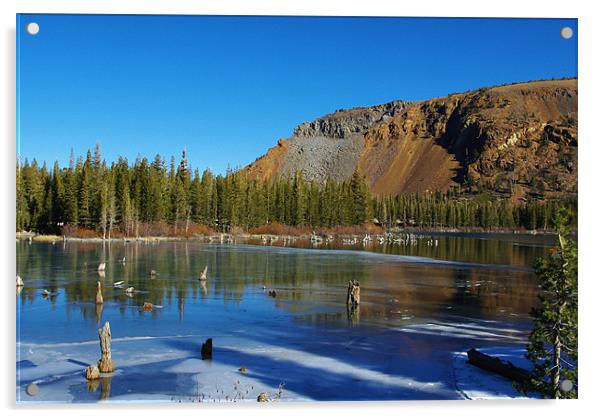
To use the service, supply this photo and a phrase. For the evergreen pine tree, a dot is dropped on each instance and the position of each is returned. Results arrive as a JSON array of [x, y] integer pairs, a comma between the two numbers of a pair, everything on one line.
[[552, 345]]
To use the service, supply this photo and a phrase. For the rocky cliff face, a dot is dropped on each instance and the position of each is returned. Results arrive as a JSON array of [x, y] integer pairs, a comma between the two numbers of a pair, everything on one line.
[[516, 140], [346, 123], [329, 146]]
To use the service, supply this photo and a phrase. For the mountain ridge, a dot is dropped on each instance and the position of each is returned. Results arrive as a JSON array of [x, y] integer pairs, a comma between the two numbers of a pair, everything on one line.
[[518, 140]]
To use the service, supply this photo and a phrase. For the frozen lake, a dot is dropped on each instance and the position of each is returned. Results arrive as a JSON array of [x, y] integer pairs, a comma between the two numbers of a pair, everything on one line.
[[416, 316]]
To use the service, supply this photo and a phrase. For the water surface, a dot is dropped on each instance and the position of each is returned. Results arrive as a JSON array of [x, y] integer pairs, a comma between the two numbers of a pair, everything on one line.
[[415, 314]]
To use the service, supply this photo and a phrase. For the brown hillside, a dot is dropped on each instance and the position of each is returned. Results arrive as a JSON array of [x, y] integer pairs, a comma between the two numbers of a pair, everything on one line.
[[516, 140]]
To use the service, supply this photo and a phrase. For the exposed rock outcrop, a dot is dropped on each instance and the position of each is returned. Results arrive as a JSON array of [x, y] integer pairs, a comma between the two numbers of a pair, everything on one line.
[[518, 140]]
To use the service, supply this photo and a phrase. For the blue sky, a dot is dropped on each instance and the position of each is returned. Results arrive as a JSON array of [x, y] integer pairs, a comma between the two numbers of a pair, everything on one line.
[[227, 88]]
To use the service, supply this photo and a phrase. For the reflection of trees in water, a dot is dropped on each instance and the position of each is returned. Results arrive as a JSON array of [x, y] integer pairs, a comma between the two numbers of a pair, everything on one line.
[[492, 290], [455, 248], [71, 269], [399, 292]]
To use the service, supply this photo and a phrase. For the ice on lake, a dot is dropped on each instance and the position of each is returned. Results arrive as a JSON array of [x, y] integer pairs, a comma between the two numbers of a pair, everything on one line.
[[417, 314]]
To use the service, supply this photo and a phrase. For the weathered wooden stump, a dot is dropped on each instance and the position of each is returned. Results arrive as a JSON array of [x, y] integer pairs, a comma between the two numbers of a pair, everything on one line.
[[99, 299], [207, 349], [102, 266], [353, 293], [147, 306], [203, 275], [105, 364], [495, 365], [263, 397], [19, 281], [92, 372], [152, 273]]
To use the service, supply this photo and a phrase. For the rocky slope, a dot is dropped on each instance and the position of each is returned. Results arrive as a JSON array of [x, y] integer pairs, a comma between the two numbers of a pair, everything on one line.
[[516, 140]]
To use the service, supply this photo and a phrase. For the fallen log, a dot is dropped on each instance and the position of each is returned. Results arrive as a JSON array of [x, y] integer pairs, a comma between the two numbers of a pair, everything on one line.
[[496, 365]]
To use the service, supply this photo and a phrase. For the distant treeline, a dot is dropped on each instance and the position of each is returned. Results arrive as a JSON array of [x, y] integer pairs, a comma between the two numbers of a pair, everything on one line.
[[456, 210], [124, 199]]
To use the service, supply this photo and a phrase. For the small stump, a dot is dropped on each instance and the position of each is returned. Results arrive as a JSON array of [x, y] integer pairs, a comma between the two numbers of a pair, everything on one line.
[[92, 372], [99, 299], [263, 397], [207, 349], [353, 293], [203, 275], [148, 306]]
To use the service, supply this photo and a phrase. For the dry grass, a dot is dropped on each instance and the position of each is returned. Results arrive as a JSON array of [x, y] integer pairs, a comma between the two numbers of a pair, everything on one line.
[[47, 238], [154, 229], [79, 232]]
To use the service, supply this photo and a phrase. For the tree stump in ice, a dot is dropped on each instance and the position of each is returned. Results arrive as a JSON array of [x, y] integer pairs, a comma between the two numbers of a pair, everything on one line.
[[92, 372], [105, 364], [263, 397], [102, 266], [353, 293], [19, 281], [98, 294], [203, 275], [207, 349]]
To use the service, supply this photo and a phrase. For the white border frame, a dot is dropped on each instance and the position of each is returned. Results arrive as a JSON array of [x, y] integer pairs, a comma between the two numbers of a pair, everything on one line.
[[589, 194]]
